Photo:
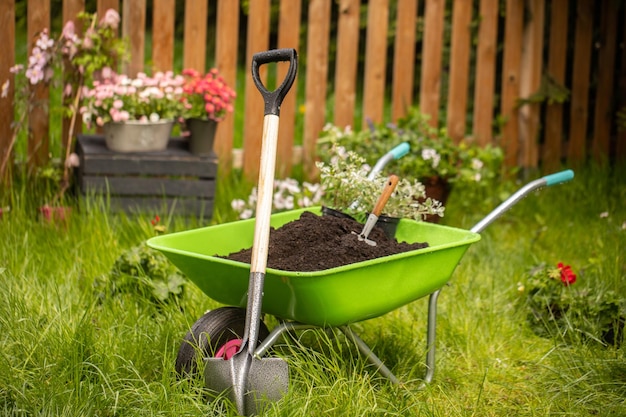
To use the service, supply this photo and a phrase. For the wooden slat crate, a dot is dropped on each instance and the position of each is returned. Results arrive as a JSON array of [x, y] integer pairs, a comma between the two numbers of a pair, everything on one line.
[[173, 179]]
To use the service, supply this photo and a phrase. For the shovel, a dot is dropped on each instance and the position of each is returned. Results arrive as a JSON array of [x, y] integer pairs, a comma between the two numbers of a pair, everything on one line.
[[251, 380], [388, 189]]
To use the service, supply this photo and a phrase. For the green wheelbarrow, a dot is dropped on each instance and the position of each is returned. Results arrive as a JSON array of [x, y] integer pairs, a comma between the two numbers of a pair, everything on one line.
[[334, 297]]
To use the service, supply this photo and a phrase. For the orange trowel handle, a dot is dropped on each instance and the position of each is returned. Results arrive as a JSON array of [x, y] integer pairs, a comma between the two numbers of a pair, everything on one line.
[[390, 186]]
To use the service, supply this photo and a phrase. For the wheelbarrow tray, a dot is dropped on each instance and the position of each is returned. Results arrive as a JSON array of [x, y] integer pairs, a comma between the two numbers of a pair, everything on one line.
[[331, 297]]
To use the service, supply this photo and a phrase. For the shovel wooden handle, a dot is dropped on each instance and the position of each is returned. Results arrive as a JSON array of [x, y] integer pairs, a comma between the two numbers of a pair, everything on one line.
[[390, 186]]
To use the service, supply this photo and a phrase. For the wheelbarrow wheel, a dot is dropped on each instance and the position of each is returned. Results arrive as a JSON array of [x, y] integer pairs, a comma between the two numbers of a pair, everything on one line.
[[217, 333]]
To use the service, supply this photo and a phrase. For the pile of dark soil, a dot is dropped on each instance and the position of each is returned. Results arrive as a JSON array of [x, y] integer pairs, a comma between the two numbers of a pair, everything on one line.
[[314, 243]]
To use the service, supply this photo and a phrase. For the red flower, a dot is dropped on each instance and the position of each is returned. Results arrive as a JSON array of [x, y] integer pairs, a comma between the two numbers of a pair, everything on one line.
[[157, 219], [568, 277]]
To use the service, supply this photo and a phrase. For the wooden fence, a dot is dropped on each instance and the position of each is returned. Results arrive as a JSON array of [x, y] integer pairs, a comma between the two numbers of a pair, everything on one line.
[[467, 70]]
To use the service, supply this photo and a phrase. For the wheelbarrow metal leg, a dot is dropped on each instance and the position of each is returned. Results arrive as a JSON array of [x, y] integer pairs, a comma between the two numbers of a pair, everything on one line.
[[369, 355], [431, 334], [276, 333]]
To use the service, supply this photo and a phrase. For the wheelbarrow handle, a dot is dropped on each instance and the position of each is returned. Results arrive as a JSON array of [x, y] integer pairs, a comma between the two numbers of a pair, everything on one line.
[[548, 180], [274, 99], [559, 177]]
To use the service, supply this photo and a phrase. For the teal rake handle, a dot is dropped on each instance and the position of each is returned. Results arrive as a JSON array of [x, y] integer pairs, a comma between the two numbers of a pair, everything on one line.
[[548, 180]]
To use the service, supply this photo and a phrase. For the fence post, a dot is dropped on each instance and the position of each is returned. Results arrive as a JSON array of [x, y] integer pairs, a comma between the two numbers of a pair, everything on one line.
[[375, 61], [227, 36], [257, 41], [316, 81], [346, 61], [404, 59], [459, 69], [580, 83], [511, 79], [288, 37], [7, 60], [38, 120], [557, 56], [430, 81]]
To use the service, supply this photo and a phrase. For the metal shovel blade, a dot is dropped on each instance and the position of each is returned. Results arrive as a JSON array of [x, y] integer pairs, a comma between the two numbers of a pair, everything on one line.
[[369, 225], [250, 382]]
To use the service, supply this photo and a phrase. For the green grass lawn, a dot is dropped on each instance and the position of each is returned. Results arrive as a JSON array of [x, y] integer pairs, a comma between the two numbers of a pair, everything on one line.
[[69, 348]]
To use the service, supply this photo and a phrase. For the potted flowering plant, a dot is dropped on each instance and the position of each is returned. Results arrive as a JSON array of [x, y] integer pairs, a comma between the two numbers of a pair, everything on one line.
[[435, 160], [81, 57], [349, 189], [137, 113], [207, 99]]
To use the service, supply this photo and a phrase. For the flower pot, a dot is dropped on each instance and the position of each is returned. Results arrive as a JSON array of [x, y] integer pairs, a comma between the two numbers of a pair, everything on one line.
[[202, 136], [388, 224], [438, 189], [137, 136]]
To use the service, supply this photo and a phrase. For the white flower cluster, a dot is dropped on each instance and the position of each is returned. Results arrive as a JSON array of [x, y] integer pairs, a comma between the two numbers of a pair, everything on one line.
[[289, 194]]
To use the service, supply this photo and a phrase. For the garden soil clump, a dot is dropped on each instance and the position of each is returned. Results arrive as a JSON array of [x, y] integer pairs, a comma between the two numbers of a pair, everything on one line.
[[315, 243]]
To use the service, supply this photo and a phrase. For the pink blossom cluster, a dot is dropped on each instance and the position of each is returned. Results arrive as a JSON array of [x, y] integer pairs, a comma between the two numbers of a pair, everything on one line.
[[208, 95], [39, 58], [46, 51], [118, 98]]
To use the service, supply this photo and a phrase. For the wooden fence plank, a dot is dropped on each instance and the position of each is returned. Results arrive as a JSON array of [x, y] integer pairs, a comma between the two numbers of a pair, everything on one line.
[[604, 94], [557, 59], [258, 40], [375, 61], [404, 59], [530, 81], [163, 24], [430, 80], [227, 36], [580, 83], [38, 18], [511, 79], [7, 60], [194, 54], [346, 61], [459, 69], [485, 72], [134, 29], [620, 145], [316, 80], [104, 5], [288, 37]]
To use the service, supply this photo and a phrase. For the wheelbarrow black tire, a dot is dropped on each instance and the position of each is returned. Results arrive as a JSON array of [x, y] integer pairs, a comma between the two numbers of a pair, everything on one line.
[[209, 333]]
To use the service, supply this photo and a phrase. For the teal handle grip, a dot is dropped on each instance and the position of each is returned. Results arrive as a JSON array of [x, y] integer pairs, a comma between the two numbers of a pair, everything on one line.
[[559, 177], [400, 150]]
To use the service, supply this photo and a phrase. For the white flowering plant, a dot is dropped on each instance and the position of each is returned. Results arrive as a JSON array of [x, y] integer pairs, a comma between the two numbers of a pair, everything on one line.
[[433, 154], [348, 188], [119, 98], [289, 194]]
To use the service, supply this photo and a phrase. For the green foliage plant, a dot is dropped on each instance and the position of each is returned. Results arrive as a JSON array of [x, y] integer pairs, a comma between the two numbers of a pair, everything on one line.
[[556, 306], [433, 154]]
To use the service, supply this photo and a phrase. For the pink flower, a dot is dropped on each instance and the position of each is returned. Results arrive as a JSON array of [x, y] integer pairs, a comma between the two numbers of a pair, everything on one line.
[[5, 89], [69, 30], [111, 19], [16, 68]]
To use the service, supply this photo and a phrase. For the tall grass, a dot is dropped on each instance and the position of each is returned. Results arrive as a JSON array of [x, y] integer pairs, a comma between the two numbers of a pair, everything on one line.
[[68, 348]]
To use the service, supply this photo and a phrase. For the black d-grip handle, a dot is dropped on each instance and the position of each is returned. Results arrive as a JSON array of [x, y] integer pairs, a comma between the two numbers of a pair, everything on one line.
[[273, 99]]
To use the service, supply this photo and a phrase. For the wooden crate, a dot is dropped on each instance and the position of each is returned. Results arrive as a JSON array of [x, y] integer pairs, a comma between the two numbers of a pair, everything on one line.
[[172, 180]]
